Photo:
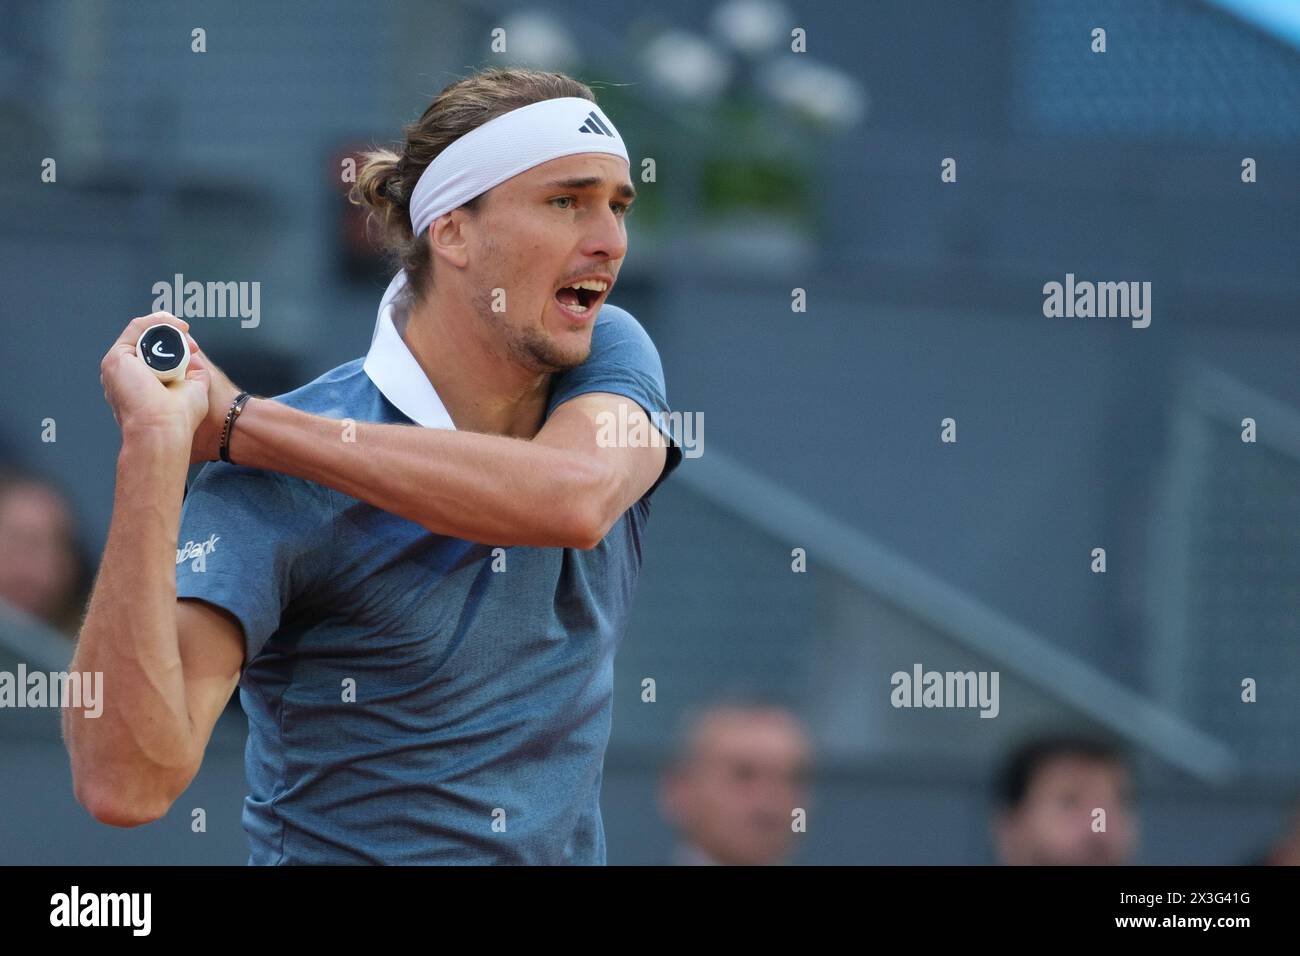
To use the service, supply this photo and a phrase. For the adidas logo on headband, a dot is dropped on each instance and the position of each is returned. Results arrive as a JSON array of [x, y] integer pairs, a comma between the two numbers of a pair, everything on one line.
[[594, 125]]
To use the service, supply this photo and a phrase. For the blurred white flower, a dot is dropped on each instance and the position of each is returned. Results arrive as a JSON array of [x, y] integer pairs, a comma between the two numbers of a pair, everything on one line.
[[686, 65], [752, 26], [822, 92], [540, 40]]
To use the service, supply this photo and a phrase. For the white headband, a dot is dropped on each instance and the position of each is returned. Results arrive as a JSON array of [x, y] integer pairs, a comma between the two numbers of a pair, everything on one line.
[[501, 149]]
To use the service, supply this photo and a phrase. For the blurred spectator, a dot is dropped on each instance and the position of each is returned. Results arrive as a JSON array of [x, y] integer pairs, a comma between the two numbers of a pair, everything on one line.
[[1048, 793], [739, 772], [42, 571], [1285, 850]]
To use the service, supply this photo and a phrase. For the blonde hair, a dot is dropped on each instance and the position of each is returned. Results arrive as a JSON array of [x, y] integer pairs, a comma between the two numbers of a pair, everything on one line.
[[386, 178]]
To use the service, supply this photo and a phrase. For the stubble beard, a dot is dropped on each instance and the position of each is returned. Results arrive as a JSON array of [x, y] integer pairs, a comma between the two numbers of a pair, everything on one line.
[[530, 346]]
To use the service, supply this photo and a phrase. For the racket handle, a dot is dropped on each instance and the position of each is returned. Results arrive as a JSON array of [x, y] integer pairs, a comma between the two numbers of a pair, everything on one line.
[[165, 349]]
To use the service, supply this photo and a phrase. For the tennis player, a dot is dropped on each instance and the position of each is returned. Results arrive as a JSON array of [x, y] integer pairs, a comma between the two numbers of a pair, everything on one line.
[[418, 567]]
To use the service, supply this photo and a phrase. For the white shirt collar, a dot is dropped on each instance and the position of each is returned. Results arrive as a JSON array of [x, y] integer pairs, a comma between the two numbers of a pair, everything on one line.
[[688, 854], [397, 374]]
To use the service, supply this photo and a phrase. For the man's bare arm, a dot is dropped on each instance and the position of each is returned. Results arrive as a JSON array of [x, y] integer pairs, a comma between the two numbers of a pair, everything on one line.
[[559, 490], [167, 673], [169, 667]]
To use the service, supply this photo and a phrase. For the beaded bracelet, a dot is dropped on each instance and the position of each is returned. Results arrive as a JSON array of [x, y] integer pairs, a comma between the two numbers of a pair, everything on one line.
[[232, 413]]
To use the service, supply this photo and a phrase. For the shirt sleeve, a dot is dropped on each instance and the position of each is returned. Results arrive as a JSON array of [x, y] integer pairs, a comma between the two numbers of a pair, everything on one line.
[[247, 542], [624, 361]]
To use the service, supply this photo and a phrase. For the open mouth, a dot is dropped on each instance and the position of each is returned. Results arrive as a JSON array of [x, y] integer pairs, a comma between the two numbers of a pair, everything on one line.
[[581, 297]]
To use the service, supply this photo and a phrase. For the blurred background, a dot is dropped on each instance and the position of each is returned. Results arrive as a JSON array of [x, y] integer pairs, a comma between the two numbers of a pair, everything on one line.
[[774, 170]]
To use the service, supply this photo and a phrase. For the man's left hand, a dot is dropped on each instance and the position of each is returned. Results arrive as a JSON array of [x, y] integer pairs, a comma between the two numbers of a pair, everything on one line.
[[221, 393]]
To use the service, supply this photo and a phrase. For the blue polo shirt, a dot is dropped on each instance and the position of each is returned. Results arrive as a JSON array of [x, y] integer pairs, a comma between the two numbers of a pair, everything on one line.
[[414, 698]]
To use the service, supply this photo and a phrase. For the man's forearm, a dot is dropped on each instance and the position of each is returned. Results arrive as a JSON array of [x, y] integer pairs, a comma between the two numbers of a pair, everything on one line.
[[487, 488], [131, 754]]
